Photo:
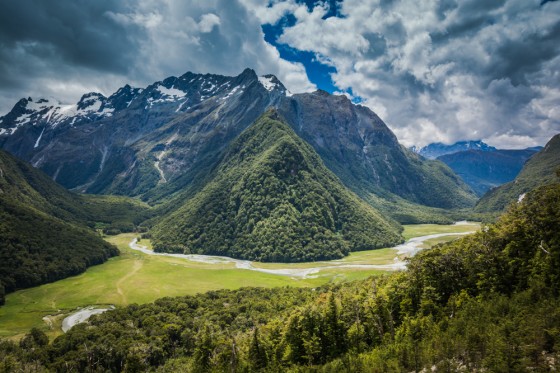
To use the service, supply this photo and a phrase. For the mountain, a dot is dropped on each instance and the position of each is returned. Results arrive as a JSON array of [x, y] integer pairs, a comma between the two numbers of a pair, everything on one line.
[[43, 228], [363, 152], [437, 149], [272, 199], [483, 170], [163, 140], [540, 169]]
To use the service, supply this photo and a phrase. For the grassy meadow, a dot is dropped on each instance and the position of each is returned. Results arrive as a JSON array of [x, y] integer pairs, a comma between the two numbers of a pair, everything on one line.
[[135, 277]]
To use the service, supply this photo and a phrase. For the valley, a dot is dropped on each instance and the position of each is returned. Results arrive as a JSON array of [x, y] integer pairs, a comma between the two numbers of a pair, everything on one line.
[[300, 186], [136, 277]]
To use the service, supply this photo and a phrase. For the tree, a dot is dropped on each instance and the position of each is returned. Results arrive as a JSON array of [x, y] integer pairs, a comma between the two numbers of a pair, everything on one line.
[[35, 338], [257, 354]]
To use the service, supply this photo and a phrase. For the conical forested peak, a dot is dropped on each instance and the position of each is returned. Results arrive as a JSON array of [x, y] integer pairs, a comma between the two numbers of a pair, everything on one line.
[[272, 199], [268, 131]]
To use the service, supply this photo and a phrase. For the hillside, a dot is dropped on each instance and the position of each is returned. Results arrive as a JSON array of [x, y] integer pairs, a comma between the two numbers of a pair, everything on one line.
[[487, 302], [539, 170], [43, 227], [484, 170], [272, 199], [160, 141]]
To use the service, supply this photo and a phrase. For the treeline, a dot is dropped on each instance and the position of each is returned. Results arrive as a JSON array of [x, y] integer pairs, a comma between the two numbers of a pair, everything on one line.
[[487, 302]]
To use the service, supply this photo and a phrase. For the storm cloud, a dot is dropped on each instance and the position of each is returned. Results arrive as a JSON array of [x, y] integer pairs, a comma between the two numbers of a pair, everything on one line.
[[65, 48]]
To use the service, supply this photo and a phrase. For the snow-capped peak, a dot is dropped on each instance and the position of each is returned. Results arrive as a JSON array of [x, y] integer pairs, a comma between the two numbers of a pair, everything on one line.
[[91, 102], [271, 83], [172, 92], [268, 82], [50, 112]]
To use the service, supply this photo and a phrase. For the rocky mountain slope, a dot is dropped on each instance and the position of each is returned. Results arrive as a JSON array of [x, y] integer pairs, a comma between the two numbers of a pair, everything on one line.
[[272, 199], [541, 169], [161, 140]]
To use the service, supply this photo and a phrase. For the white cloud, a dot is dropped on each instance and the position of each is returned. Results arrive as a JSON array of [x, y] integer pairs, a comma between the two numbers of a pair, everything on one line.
[[208, 21], [150, 20], [440, 70]]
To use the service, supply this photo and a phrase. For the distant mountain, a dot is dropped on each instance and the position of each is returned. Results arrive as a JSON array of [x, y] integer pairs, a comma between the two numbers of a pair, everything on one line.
[[272, 199], [162, 141], [43, 234], [483, 170], [540, 169], [437, 149]]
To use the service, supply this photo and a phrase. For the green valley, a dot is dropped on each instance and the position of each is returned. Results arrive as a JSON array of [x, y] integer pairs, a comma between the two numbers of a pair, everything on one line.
[[45, 231], [134, 277], [488, 301], [213, 223]]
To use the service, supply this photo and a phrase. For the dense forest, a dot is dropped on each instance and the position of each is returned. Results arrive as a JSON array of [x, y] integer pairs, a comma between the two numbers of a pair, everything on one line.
[[272, 199], [46, 232], [486, 302]]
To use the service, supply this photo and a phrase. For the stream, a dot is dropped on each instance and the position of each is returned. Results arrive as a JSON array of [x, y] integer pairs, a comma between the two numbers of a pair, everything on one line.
[[409, 248], [81, 316]]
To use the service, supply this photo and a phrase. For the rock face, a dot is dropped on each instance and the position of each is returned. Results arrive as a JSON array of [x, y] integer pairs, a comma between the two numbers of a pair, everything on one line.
[[272, 199], [359, 148], [541, 169], [157, 141], [484, 170]]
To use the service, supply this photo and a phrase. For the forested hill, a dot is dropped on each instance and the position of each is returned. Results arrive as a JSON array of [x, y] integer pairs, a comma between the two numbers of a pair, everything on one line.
[[487, 302], [272, 199], [43, 228], [540, 170]]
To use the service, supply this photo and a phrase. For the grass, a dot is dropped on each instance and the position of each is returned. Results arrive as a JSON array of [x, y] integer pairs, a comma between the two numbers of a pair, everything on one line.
[[427, 229], [134, 277]]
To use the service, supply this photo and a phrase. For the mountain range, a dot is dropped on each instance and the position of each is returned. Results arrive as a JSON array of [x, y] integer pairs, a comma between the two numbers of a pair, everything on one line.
[[480, 165], [484, 170], [541, 169], [437, 149], [162, 142]]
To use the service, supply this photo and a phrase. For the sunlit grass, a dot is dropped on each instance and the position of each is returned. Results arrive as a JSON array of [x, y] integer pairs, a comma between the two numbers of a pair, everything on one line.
[[134, 277]]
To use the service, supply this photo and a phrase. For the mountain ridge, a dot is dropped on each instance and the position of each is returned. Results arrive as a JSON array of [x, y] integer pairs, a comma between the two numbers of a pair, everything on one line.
[[43, 228], [171, 133], [484, 170], [437, 149]]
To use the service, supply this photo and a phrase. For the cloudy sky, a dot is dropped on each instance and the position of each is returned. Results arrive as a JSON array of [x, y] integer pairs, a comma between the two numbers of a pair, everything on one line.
[[433, 70]]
